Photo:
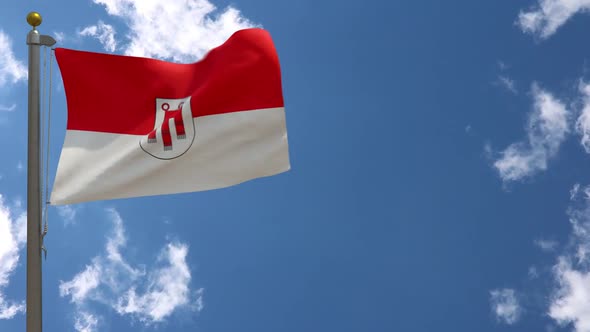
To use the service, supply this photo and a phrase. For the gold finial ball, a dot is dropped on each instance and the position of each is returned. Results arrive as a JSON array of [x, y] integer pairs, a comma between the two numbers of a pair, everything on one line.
[[34, 19]]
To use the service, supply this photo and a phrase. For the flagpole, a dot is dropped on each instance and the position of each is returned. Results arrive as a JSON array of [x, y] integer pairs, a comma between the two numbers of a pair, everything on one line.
[[34, 281]]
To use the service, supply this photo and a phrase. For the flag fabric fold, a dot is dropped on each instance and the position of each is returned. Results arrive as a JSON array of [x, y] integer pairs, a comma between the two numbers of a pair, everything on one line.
[[140, 127]]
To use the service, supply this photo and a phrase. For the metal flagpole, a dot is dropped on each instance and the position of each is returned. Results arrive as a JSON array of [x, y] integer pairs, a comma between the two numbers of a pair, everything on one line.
[[34, 313]]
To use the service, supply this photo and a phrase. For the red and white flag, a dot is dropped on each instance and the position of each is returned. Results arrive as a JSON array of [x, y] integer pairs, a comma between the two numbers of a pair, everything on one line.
[[139, 127]]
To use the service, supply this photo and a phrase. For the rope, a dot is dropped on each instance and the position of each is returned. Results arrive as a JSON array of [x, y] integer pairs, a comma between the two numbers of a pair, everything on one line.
[[51, 54], [42, 123], [46, 168]]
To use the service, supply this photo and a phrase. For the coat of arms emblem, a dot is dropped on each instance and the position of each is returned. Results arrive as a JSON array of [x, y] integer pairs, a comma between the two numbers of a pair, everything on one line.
[[174, 129]]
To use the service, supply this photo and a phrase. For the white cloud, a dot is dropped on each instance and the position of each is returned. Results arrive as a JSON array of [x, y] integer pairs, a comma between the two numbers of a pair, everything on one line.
[[571, 302], [105, 33], [11, 69], [583, 122], [507, 83], [59, 36], [86, 322], [82, 284], [574, 191], [67, 213], [167, 288], [150, 296], [109, 270], [199, 304], [12, 239], [181, 30], [547, 16], [117, 263], [533, 272], [10, 309], [580, 221], [10, 108], [546, 245], [546, 130], [505, 305]]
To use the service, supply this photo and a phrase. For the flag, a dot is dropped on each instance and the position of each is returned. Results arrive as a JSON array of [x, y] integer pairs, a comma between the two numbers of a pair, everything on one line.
[[140, 127]]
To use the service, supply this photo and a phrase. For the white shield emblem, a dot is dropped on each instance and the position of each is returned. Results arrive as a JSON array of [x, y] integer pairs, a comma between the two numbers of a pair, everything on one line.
[[174, 130]]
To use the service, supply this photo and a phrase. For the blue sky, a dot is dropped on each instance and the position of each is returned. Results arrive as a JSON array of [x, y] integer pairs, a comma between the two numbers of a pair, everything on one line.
[[439, 175]]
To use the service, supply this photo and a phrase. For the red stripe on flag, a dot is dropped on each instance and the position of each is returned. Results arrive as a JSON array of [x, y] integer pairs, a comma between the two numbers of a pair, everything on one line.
[[117, 94]]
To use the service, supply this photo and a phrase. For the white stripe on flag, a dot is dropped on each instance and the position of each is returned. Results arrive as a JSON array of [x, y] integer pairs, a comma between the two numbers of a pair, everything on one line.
[[228, 149]]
